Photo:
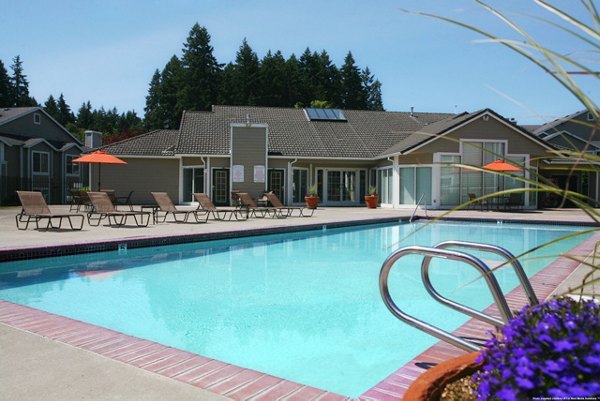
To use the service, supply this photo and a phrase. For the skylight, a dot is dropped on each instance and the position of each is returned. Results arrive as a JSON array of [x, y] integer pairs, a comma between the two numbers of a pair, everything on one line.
[[325, 114]]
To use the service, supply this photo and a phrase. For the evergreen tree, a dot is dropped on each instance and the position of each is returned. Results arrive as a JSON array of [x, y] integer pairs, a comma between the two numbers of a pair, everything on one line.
[[228, 90], [293, 93], [201, 72], [353, 95], [20, 85], [5, 87], [51, 108], [65, 114], [151, 116], [273, 80], [310, 87], [372, 88], [329, 80], [247, 76], [85, 118], [169, 105]]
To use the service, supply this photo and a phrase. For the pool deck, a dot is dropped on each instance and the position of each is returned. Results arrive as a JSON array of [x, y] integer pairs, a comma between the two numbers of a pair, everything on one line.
[[54, 358]]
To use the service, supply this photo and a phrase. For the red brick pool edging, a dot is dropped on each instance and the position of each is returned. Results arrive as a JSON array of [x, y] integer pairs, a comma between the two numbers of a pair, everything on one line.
[[239, 383]]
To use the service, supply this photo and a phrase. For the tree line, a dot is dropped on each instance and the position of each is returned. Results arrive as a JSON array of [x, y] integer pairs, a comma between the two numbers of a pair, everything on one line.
[[196, 81]]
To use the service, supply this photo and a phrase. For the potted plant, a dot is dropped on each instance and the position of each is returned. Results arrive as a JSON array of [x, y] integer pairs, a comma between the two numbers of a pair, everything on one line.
[[311, 198], [549, 351], [372, 199]]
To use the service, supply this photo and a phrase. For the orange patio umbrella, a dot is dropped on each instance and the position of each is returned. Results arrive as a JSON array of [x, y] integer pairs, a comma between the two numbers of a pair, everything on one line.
[[503, 167], [99, 157]]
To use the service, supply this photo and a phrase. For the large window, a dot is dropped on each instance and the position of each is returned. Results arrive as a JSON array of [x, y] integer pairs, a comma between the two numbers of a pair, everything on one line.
[[41, 163], [415, 185], [340, 186], [385, 185], [479, 154], [449, 180], [193, 181], [70, 167], [300, 184]]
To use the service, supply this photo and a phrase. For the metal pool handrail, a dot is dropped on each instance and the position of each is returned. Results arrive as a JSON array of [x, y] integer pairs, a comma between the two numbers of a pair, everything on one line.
[[426, 327], [525, 283]]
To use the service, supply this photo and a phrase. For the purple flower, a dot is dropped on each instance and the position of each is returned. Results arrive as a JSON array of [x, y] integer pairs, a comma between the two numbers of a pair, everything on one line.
[[549, 350]]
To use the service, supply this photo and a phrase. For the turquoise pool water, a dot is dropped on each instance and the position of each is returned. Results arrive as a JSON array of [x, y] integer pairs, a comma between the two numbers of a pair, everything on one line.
[[302, 306]]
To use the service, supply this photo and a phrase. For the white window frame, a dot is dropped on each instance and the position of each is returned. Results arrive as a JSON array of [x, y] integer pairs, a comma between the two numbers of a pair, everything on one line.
[[193, 166], [38, 152], [293, 184], [378, 184], [414, 167], [37, 118], [357, 194]]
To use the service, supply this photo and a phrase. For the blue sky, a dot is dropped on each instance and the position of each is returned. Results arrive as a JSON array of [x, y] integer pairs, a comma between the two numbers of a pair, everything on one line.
[[106, 51]]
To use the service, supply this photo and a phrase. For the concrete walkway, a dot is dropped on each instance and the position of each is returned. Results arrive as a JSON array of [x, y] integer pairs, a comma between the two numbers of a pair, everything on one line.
[[36, 368]]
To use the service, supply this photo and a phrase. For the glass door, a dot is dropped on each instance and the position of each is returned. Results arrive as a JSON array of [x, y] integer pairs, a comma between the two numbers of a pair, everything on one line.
[[220, 186], [193, 181], [275, 183], [300, 185]]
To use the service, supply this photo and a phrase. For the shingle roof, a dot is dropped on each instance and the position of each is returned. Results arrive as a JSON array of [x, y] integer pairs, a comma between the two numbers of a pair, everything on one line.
[[155, 143], [365, 134]]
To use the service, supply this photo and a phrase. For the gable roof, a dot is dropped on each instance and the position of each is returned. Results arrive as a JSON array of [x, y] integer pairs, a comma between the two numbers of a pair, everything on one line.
[[559, 121], [8, 114], [160, 142], [437, 130]]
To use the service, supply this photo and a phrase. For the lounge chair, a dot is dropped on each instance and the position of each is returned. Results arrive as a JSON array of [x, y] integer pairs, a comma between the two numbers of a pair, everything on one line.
[[275, 202], [204, 203], [166, 206], [35, 208], [102, 207], [253, 209], [514, 201]]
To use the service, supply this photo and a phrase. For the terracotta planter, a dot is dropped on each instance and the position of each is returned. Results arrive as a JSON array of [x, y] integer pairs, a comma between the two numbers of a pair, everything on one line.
[[372, 201], [311, 201], [429, 385]]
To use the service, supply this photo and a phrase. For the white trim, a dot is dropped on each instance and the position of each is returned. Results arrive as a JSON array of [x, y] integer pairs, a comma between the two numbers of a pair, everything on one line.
[[340, 169], [291, 185], [40, 110], [182, 182], [67, 174], [37, 118]]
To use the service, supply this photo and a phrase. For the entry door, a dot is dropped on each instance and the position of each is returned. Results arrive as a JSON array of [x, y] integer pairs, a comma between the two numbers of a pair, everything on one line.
[[220, 187], [275, 183]]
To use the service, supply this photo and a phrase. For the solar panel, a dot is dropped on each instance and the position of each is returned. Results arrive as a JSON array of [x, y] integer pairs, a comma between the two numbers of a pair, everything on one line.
[[325, 114]]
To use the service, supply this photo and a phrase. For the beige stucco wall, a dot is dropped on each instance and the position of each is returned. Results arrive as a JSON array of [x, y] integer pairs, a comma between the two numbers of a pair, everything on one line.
[[142, 176]]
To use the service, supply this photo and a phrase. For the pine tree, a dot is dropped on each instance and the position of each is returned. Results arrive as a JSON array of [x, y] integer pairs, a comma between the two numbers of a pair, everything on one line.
[[85, 117], [51, 108], [329, 80], [201, 72], [372, 88], [151, 111], [228, 90], [5, 88], [354, 97], [293, 72], [274, 80], [246, 76], [20, 85], [65, 114], [169, 105]]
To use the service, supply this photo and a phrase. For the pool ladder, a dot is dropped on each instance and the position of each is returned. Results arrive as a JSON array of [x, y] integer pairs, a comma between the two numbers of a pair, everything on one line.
[[440, 251]]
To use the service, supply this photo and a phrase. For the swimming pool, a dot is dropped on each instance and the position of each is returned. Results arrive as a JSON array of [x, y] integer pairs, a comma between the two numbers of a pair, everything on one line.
[[303, 306]]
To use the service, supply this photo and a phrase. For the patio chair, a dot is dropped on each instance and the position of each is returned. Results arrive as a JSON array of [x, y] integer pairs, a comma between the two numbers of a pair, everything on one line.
[[102, 207], [119, 200], [514, 201], [204, 203], [253, 209], [166, 206], [35, 209], [79, 199], [275, 202], [477, 202]]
